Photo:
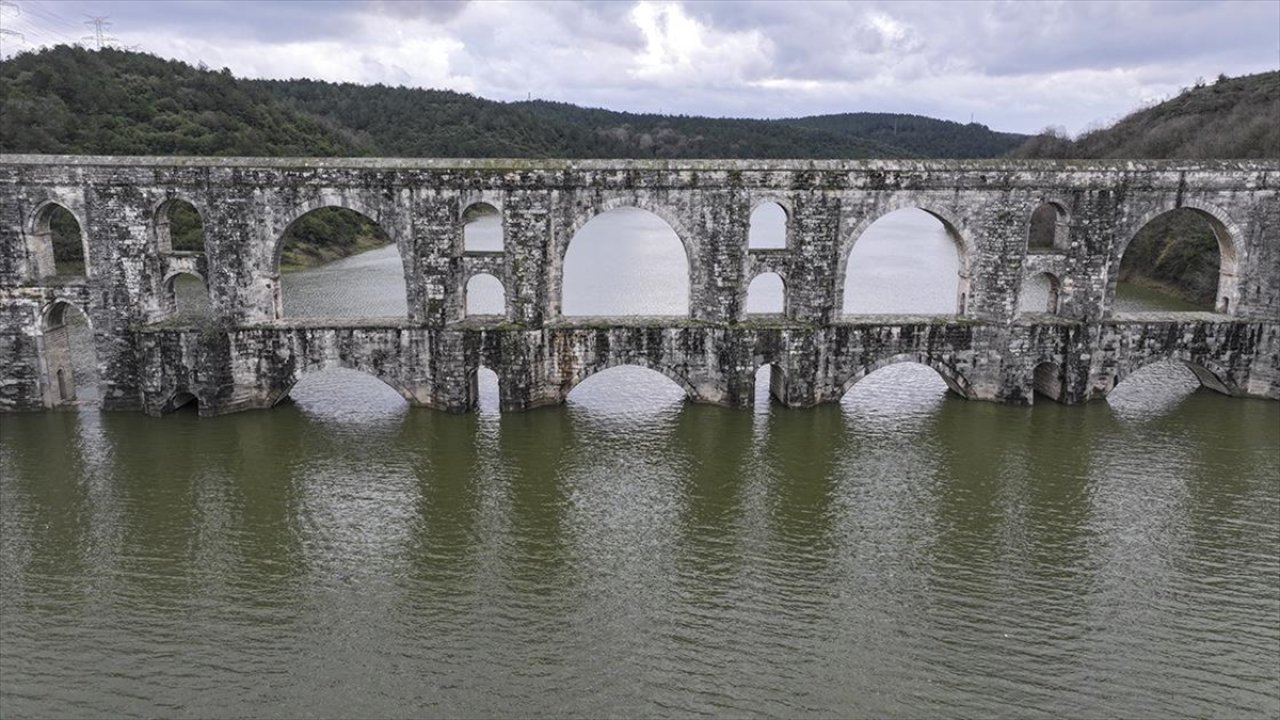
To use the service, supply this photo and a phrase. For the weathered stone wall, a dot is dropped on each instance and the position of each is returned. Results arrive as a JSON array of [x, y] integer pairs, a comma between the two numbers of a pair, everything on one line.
[[248, 357]]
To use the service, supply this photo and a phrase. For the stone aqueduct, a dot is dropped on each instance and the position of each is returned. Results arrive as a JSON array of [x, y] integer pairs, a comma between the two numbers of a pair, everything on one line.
[[248, 356]]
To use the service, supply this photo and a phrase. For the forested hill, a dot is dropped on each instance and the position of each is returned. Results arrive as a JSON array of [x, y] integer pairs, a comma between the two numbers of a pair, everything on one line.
[[72, 100], [1232, 118]]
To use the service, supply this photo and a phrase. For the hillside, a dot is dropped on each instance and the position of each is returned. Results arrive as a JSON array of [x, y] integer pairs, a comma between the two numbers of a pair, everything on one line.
[[115, 102], [1231, 118]]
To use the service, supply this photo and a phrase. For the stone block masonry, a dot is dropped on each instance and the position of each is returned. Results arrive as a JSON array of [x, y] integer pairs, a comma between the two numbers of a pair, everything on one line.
[[248, 356]]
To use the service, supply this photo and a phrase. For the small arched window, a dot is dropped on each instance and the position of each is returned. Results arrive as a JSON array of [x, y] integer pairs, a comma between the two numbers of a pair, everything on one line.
[[485, 296], [1048, 231], [481, 228], [766, 294], [768, 228]]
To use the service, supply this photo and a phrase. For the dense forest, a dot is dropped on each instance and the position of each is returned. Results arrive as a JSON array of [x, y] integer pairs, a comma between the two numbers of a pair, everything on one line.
[[115, 102], [1232, 118]]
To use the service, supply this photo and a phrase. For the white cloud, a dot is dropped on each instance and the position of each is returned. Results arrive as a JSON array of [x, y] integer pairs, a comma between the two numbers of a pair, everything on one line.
[[679, 48]]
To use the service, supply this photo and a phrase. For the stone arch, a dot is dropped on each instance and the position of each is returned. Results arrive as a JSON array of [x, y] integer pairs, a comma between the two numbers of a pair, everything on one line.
[[299, 371], [1231, 252], [1051, 304], [354, 202], [39, 236], [57, 352], [483, 278], [1048, 227], [772, 283], [585, 371], [1210, 373], [777, 380], [169, 296], [1048, 379], [474, 383], [178, 398], [475, 238], [965, 248], [762, 229], [956, 382], [638, 202], [161, 216]]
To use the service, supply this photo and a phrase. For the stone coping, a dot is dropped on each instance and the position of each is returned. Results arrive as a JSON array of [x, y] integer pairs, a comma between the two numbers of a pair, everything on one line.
[[554, 164]]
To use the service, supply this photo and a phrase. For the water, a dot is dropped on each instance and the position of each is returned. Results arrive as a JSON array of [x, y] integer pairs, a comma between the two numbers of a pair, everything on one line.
[[905, 553]]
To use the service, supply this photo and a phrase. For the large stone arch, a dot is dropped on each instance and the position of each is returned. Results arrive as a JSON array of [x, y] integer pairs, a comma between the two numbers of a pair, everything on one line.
[[582, 372], [951, 221], [298, 371], [1231, 251], [38, 236], [956, 382], [358, 202], [585, 213], [1209, 372]]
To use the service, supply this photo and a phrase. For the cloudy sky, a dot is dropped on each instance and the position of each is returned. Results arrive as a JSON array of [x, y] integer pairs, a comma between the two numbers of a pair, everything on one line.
[[1017, 66]]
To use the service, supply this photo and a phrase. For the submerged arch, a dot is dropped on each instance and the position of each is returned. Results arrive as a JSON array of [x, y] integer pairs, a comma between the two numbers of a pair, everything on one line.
[[353, 371], [908, 226], [1207, 372], [626, 260], [589, 372], [955, 381], [69, 354]]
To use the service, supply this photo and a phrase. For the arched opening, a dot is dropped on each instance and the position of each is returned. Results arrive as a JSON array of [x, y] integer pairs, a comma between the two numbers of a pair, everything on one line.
[[181, 401], [1048, 231], [344, 394], [907, 262], [1181, 260], [337, 262], [898, 387], [1158, 385], [60, 248], [1039, 294], [768, 228], [626, 261], [186, 298], [627, 389], [484, 391], [1048, 380], [485, 296], [769, 387], [481, 228], [178, 227], [70, 358], [766, 295]]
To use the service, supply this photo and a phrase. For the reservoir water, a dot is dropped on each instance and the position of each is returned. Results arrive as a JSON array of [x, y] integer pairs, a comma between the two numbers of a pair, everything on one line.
[[904, 553]]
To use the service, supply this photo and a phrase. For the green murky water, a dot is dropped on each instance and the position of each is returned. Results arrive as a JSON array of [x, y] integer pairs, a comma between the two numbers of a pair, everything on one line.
[[905, 553]]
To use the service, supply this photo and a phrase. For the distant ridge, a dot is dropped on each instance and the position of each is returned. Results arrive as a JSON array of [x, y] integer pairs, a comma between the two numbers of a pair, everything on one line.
[[114, 102]]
